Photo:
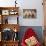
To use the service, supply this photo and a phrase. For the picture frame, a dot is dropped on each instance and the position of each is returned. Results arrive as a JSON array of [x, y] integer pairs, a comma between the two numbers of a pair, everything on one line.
[[29, 13], [5, 12]]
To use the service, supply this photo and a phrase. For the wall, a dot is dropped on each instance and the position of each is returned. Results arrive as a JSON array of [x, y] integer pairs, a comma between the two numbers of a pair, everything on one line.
[[32, 4], [29, 4]]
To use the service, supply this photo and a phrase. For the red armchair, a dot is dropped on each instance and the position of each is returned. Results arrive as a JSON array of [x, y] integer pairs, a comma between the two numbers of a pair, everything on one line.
[[29, 34]]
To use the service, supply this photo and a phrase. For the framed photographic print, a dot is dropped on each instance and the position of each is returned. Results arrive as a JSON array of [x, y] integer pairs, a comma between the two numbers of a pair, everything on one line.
[[5, 12], [29, 13]]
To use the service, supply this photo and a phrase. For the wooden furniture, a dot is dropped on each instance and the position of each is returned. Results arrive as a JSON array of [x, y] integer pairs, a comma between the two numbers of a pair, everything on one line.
[[6, 12], [11, 26], [6, 24], [0, 43], [10, 43]]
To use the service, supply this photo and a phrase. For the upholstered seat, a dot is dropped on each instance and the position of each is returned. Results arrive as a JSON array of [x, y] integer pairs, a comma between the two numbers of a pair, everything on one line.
[[29, 36]]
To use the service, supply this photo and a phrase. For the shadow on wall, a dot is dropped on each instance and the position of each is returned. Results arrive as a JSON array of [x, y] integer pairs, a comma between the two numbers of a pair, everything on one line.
[[37, 29]]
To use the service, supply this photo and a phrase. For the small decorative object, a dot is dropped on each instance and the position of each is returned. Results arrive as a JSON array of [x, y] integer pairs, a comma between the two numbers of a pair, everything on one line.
[[13, 12], [5, 12], [29, 13], [0, 12], [15, 34], [6, 21], [15, 30], [15, 3]]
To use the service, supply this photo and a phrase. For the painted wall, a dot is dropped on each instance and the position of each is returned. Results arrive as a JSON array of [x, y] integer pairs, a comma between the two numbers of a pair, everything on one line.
[[27, 4], [32, 4]]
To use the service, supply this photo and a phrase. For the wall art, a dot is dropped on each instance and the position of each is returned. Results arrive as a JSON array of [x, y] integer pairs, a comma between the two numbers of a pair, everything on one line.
[[29, 13]]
